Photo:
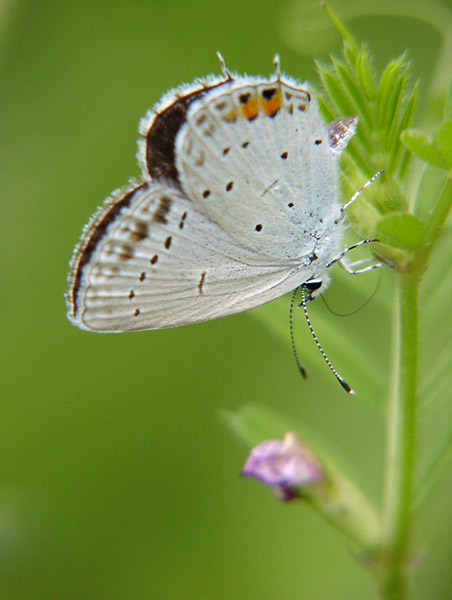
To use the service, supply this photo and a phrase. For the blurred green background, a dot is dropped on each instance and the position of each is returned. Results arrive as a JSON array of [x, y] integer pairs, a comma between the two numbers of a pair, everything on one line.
[[118, 478]]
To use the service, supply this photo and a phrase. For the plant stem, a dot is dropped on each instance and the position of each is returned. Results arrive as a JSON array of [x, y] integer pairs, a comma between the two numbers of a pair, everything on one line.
[[402, 413], [401, 443]]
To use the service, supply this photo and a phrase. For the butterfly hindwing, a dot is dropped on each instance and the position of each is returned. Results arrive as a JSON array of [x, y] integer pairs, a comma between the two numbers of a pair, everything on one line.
[[149, 259]]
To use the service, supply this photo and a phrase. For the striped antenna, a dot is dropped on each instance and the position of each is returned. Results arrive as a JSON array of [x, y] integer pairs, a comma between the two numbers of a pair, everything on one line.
[[304, 301]]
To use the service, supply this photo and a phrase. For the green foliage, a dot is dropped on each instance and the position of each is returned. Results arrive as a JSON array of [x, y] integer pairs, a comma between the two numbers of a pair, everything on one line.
[[385, 106], [407, 232], [117, 479], [401, 230], [437, 150]]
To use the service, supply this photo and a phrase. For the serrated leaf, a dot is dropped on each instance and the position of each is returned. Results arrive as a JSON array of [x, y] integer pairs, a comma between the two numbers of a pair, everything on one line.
[[393, 103], [366, 74], [401, 230], [388, 82], [356, 94], [351, 55], [419, 143], [443, 141], [336, 93], [401, 117]]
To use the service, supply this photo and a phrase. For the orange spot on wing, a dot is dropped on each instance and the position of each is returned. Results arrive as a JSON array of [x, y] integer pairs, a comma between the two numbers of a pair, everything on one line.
[[272, 106], [250, 110]]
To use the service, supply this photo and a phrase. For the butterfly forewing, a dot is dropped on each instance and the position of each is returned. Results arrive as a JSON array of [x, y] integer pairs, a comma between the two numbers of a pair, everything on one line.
[[251, 157]]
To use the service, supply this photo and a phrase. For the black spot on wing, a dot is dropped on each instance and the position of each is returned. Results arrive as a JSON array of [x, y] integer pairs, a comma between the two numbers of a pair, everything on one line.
[[135, 230], [244, 98], [182, 220], [162, 210], [201, 282], [268, 93]]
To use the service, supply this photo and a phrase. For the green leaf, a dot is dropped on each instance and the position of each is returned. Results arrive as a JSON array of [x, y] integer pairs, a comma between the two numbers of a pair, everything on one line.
[[351, 55], [389, 83], [355, 92], [366, 74], [340, 26], [428, 192], [402, 119], [336, 92], [401, 230], [404, 156], [391, 101], [443, 141], [419, 143], [360, 105]]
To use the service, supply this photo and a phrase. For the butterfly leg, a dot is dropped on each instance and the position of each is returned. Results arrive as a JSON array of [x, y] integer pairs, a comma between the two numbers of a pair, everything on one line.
[[340, 256], [350, 267], [358, 194]]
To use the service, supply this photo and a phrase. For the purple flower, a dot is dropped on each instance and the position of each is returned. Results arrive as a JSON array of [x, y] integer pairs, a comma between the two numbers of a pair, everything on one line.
[[286, 465]]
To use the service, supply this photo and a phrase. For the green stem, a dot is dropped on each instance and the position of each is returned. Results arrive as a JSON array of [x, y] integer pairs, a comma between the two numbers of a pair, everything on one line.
[[400, 459], [401, 443]]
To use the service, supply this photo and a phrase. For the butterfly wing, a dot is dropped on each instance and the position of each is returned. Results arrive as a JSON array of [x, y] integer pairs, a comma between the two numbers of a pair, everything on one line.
[[237, 208], [150, 259], [256, 158]]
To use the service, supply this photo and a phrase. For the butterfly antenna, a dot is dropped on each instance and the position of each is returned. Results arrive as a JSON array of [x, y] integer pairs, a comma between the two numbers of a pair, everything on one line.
[[292, 338], [341, 380]]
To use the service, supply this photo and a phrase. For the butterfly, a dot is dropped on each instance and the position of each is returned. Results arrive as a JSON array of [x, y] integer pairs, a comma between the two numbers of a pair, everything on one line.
[[237, 205]]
